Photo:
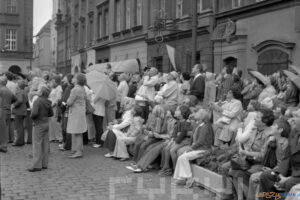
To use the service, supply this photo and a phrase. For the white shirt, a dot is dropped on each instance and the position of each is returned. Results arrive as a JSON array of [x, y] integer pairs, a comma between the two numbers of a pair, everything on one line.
[[55, 95], [122, 91], [99, 106]]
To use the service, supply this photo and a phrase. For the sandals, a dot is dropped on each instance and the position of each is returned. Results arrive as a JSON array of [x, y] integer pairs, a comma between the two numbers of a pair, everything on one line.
[[166, 172]]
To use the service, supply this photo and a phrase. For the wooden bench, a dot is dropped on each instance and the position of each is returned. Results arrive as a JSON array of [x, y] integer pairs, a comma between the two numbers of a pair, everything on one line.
[[211, 181]]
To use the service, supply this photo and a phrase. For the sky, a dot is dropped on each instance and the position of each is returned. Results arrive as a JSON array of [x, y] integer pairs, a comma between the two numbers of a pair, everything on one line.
[[42, 12]]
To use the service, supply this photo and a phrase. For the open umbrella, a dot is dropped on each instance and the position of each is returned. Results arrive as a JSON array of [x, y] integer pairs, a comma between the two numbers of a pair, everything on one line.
[[128, 66], [295, 68], [101, 85], [293, 77], [259, 76]]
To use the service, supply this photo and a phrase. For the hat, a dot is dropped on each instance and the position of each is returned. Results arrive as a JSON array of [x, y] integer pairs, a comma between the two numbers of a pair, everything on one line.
[[174, 74]]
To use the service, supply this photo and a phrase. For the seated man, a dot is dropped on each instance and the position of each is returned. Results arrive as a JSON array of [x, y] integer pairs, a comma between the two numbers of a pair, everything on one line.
[[263, 123], [202, 140], [287, 174]]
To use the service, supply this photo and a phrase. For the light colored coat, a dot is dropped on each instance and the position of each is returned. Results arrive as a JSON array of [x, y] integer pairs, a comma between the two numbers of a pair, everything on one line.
[[77, 109], [147, 90]]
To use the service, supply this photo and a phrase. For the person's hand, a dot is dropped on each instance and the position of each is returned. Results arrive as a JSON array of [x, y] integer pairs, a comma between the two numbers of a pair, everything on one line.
[[156, 135], [282, 181], [266, 169], [150, 134]]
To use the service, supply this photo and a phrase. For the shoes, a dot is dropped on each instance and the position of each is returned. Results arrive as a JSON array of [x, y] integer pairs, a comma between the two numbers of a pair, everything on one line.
[[96, 145], [11, 142], [123, 159], [75, 156], [134, 169], [44, 167], [180, 182], [34, 169], [108, 155]]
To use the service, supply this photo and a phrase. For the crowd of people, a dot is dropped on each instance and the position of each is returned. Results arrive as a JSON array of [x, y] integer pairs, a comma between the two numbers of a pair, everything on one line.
[[246, 129]]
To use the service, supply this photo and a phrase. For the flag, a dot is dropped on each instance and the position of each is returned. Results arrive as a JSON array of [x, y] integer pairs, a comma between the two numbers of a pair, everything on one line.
[[171, 53]]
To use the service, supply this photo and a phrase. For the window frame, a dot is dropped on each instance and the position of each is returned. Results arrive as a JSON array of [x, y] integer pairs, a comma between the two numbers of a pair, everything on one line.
[[11, 6], [179, 13], [200, 7], [127, 14], [118, 16], [9, 40]]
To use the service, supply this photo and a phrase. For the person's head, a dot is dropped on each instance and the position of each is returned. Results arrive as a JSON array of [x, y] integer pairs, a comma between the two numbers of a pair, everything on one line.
[[236, 78], [232, 94], [10, 76], [229, 70], [80, 79], [198, 68], [136, 78], [283, 128], [265, 117], [3, 80], [170, 114], [240, 73], [56, 80], [137, 111], [279, 111], [185, 76], [172, 76], [202, 115], [183, 112], [153, 71], [158, 111], [128, 103], [46, 76], [294, 123], [44, 91], [123, 77], [253, 106], [21, 84]]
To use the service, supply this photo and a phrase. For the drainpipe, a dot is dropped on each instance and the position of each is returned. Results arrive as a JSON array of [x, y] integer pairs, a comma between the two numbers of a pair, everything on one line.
[[194, 31]]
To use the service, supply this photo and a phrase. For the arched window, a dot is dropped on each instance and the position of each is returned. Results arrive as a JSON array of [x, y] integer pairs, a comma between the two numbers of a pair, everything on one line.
[[272, 60], [273, 56]]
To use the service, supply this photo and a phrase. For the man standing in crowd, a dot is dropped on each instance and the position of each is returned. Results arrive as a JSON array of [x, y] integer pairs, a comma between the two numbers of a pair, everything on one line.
[[198, 83], [7, 99]]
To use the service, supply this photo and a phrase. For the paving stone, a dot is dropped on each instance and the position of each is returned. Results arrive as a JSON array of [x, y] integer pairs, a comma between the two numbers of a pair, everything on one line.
[[89, 178]]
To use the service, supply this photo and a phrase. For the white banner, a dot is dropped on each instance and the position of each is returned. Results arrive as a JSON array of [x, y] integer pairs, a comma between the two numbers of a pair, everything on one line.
[[171, 53]]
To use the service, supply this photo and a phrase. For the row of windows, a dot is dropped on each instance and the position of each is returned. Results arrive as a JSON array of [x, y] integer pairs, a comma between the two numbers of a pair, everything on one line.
[[10, 40]]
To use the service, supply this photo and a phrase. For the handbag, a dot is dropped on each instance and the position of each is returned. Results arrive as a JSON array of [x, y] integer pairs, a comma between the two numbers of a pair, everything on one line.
[[89, 108]]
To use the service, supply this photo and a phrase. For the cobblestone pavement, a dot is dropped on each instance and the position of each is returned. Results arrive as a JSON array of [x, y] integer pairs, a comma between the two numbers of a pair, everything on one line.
[[91, 177]]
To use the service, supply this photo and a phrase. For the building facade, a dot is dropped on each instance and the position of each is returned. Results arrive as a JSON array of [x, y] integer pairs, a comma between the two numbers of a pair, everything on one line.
[[176, 16], [257, 34], [16, 30], [42, 53]]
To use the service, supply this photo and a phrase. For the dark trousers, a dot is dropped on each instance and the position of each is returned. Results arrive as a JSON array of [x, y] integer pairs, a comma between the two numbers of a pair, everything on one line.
[[40, 145], [98, 121], [145, 145], [110, 141], [67, 138], [267, 181], [29, 127], [11, 128], [19, 124]]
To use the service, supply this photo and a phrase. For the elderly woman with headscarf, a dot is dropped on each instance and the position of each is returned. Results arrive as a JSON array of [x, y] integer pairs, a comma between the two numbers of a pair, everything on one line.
[[77, 124], [55, 133], [122, 92]]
